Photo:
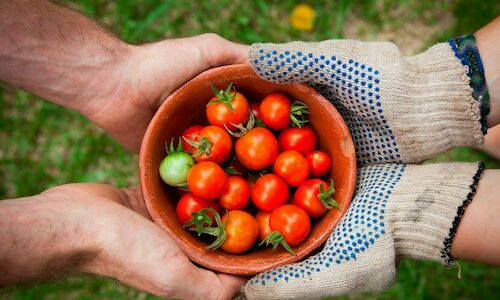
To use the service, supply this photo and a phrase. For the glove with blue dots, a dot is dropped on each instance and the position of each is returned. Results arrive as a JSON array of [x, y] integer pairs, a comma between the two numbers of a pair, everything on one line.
[[399, 211], [399, 109]]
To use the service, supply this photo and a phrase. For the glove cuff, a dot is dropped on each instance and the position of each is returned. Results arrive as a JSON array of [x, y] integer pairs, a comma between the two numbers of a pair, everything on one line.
[[465, 49], [427, 206]]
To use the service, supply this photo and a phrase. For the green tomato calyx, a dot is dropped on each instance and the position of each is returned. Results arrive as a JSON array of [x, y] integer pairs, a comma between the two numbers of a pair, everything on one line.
[[201, 143], [225, 97], [170, 149], [219, 231], [325, 196], [231, 171], [275, 238], [298, 114], [200, 219]]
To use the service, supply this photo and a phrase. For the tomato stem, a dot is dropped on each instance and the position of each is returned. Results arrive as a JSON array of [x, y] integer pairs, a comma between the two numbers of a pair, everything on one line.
[[298, 113], [259, 123], [169, 148], [199, 219], [225, 97], [275, 238], [201, 143], [242, 129], [325, 196], [219, 232]]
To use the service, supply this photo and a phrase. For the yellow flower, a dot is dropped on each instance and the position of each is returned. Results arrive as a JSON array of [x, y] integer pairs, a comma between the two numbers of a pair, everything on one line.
[[302, 17]]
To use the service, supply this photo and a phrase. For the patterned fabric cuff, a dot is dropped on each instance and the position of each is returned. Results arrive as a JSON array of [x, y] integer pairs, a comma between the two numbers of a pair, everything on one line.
[[448, 259], [465, 49]]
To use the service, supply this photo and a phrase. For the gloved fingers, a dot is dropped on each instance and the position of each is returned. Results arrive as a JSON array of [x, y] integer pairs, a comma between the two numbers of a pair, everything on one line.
[[290, 62], [358, 256], [320, 62]]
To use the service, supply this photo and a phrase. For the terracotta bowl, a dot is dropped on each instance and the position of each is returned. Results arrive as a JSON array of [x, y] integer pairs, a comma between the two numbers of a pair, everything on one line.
[[186, 107]]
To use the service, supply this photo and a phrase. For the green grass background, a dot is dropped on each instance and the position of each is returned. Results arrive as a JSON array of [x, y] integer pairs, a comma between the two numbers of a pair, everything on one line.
[[43, 145]]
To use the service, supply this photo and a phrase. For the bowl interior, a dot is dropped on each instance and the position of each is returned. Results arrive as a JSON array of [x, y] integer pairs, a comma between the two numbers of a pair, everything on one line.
[[187, 107]]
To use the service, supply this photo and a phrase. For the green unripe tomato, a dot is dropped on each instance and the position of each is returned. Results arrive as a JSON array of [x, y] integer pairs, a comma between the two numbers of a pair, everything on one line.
[[174, 168]]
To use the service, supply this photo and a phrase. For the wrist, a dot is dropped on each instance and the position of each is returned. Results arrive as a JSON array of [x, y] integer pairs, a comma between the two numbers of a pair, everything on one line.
[[42, 236], [487, 44], [108, 85]]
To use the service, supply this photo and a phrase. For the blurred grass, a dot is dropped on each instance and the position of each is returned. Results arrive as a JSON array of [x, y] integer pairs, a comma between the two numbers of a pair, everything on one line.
[[43, 145]]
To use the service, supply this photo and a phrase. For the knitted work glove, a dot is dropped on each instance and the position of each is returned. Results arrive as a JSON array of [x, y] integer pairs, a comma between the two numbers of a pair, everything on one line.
[[399, 211], [399, 109]]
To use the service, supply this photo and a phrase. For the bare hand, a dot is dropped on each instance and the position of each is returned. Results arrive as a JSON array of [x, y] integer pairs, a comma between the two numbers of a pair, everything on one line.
[[150, 74], [99, 229]]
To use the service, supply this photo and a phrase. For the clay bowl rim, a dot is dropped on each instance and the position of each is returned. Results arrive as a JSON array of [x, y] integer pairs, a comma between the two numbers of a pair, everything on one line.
[[204, 258]]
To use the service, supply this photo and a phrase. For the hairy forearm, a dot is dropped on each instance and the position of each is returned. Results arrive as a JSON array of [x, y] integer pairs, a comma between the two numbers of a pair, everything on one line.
[[37, 242], [478, 238], [59, 54], [488, 42]]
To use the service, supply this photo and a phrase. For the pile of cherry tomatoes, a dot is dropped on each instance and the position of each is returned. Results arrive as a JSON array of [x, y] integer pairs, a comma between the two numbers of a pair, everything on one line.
[[256, 163]]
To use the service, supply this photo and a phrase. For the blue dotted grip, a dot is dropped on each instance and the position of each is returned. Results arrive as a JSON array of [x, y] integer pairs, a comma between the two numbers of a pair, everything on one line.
[[353, 87], [363, 224]]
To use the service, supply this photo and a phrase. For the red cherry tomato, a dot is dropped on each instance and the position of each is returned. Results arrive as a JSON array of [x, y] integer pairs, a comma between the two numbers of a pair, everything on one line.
[[292, 167], [309, 197], [235, 111], [214, 144], [242, 231], [269, 192], [257, 149], [190, 133], [236, 194], [255, 109], [319, 163], [302, 140], [292, 222], [190, 203], [275, 111], [262, 218], [207, 180]]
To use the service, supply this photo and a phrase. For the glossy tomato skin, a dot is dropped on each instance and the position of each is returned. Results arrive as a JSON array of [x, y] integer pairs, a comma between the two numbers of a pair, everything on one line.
[[221, 145], [207, 180], [302, 139], [306, 197], [219, 114], [269, 192], [190, 133], [236, 194], [292, 167], [242, 231], [175, 167], [255, 109], [319, 163], [257, 149], [190, 203], [292, 222], [262, 218], [275, 111]]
